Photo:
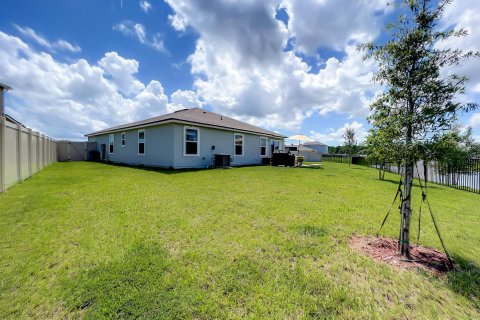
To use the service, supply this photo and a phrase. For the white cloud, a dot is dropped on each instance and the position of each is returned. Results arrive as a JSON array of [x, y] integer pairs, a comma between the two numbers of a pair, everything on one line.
[[464, 14], [332, 23], [242, 69], [157, 43], [67, 100], [59, 44], [177, 22], [138, 30], [335, 136], [182, 99], [474, 121], [145, 5], [122, 72], [65, 45]]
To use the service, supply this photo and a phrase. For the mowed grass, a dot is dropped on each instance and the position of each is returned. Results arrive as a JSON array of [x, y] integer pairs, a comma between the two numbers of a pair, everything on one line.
[[91, 240]]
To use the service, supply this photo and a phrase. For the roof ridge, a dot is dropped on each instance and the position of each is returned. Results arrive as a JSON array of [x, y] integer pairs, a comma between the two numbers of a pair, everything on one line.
[[195, 115]]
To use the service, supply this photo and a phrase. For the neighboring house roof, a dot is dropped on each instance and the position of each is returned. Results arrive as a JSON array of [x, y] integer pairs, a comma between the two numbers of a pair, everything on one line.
[[5, 87], [12, 120], [195, 116], [302, 148], [314, 143]]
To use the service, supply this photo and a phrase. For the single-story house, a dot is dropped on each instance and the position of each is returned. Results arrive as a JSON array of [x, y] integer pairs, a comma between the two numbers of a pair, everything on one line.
[[310, 155], [189, 138], [318, 146]]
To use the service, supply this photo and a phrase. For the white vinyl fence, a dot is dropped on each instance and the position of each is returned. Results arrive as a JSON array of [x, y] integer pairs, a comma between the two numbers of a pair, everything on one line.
[[22, 153]]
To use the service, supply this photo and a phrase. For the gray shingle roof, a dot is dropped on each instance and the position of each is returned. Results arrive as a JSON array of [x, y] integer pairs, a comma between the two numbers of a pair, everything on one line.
[[196, 116], [314, 143], [5, 87]]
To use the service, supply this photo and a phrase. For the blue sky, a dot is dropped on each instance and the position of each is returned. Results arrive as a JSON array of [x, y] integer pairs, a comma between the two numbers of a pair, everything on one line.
[[289, 66]]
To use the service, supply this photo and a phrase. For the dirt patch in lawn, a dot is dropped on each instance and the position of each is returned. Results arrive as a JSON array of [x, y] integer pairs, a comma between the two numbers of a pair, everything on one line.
[[386, 250]]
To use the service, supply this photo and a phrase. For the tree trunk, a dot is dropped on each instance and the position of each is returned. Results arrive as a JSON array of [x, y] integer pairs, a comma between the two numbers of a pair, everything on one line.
[[407, 189], [425, 173], [406, 211]]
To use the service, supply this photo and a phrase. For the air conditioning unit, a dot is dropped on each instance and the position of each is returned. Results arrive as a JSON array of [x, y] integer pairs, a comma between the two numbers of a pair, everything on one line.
[[221, 160]]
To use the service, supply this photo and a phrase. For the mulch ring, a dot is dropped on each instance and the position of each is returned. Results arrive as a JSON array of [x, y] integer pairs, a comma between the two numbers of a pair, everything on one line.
[[386, 250]]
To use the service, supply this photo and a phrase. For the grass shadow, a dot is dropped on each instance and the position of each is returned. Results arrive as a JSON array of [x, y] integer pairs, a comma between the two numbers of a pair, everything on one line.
[[141, 284], [170, 170], [465, 279], [308, 230], [153, 168], [317, 167], [415, 183]]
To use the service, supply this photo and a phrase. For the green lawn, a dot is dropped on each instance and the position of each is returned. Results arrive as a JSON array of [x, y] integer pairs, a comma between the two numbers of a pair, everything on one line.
[[90, 240]]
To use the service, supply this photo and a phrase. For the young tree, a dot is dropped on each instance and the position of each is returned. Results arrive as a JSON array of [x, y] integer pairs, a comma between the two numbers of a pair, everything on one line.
[[419, 101], [381, 148], [350, 142]]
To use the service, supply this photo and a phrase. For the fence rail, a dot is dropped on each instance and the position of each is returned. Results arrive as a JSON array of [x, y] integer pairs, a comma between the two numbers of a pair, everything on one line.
[[463, 175], [23, 152], [340, 158]]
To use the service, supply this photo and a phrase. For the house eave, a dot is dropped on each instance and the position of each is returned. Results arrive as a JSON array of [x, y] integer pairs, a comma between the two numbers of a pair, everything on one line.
[[168, 121]]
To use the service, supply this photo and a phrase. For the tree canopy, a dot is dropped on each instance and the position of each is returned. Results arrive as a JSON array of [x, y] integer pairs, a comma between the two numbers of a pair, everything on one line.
[[420, 100]]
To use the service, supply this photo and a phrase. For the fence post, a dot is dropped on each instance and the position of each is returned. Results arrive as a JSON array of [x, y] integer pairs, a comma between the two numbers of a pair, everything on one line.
[[19, 152], [37, 149], [42, 143], [29, 152], [2, 153], [47, 153]]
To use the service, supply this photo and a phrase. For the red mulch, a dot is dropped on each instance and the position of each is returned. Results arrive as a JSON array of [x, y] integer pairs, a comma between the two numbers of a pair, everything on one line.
[[386, 250]]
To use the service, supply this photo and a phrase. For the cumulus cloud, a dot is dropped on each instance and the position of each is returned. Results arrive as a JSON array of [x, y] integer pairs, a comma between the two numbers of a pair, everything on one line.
[[178, 23], [335, 136], [474, 121], [122, 72], [59, 44], [145, 5], [333, 24], [68, 100], [138, 31], [244, 70], [463, 14], [182, 99]]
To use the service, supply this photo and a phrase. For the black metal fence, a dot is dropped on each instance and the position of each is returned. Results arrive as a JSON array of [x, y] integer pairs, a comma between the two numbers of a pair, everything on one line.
[[463, 175], [343, 158], [340, 158]]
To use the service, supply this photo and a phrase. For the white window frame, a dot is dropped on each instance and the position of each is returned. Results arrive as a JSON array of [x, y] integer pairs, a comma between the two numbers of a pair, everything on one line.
[[111, 141], [144, 142], [185, 141], [235, 146], [280, 145], [123, 139], [266, 147]]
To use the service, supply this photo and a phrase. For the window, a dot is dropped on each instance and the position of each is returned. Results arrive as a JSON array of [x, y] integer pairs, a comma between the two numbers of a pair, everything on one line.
[[111, 140], [141, 141], [238, 142], [123, 139], [191, 140], [276, 146], [263, 147]]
